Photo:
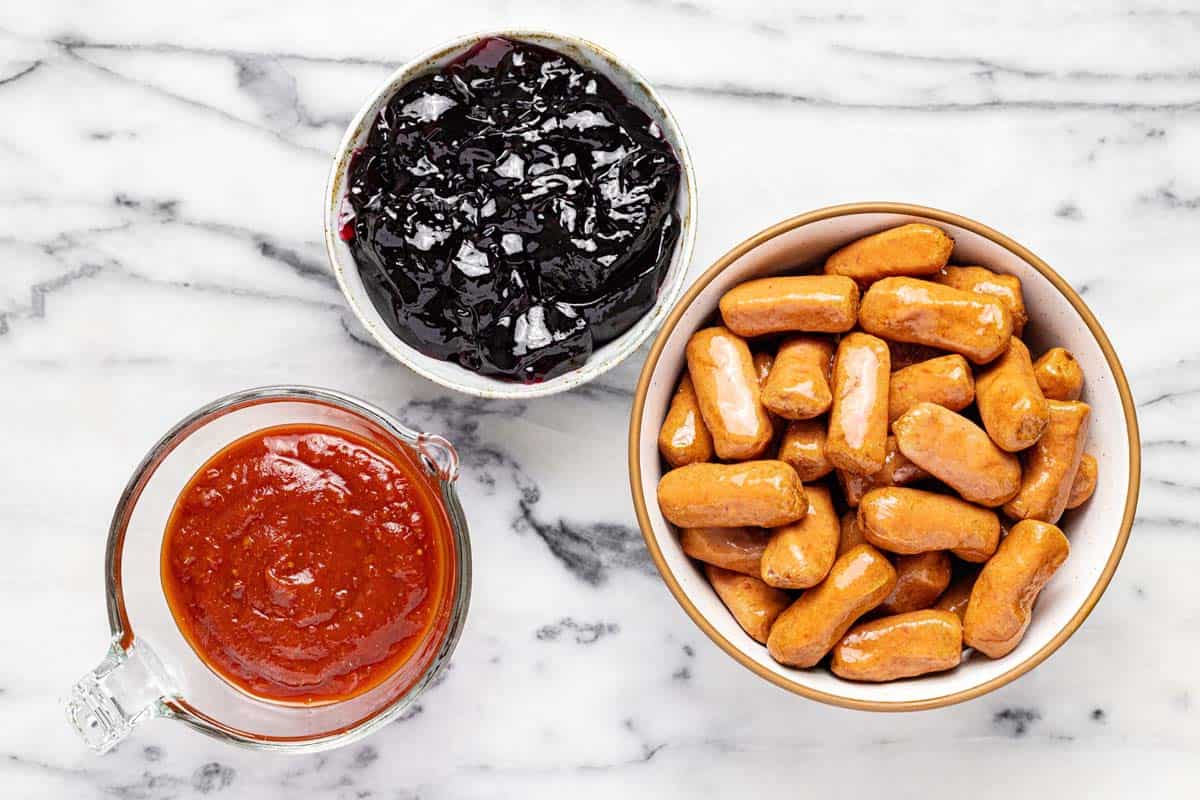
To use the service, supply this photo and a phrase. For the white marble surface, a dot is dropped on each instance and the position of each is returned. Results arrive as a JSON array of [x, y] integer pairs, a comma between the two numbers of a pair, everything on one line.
[[161, 170]]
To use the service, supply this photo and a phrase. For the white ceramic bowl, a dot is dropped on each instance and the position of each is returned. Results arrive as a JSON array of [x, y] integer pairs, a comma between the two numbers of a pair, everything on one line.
[[1057, 316], [451, 375]]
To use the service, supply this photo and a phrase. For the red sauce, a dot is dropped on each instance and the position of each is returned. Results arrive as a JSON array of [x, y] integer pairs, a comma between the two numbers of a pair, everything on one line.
[[306, 564]]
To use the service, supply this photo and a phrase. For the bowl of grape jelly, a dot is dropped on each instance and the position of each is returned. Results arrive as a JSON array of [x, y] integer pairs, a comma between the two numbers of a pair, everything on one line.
[[512, 214]]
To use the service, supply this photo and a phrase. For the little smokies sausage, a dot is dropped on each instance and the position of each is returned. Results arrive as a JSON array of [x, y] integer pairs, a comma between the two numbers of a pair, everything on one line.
[[946, 381], [900, 646], [739, 549], [1003, 596], [812, 625], [852, 535], [803, 447], [913, 249], [958, 593], [752, 603], [897, 470], [857, 437], [1059, 375], [959, 453], [808, 303], [755, 493], [799, 555], [1051, 464], [920, 580], [1085, 481], [1011, 404], [921, 312], [727, 390], [1005, 288], [908, 521], [797, 386], [684, 438]]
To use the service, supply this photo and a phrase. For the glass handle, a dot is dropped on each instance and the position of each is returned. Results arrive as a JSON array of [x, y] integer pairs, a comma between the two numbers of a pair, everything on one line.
[[439, 455], [127, 688]]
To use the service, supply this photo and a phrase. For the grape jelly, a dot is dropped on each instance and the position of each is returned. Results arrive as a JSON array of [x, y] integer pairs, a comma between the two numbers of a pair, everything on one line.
[[512, 212]]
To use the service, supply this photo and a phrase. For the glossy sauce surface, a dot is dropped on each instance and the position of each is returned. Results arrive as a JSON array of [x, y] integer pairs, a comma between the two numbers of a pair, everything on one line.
[[513, 211], [305, 565]]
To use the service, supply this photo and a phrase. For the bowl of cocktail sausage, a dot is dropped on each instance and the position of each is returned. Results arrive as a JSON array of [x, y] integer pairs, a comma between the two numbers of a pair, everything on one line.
[[884, 456]]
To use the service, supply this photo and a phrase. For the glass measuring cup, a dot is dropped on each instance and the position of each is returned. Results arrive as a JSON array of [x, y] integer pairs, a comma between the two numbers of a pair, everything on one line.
[[151, 671]]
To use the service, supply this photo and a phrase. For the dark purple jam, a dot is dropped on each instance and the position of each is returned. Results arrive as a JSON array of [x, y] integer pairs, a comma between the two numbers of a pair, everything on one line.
[[513, 212]]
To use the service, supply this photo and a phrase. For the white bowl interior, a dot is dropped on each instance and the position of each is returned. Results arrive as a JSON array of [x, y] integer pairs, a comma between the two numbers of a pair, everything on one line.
[[1093, 529], [603, 358]]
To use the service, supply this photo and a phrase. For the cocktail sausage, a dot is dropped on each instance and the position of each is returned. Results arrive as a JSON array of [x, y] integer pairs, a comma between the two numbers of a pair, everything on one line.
[[959, 453], [727, 390], [921, 312], [858, 421], [1003, 596], [755, 493], [798, 303], [684, 438], [812, 625], [945, 380], [908, 521], [1051, 464], [913, 249], [739, 549], [752, 603], [900, 646], [1011, 403], [800, 554], [797, 387]]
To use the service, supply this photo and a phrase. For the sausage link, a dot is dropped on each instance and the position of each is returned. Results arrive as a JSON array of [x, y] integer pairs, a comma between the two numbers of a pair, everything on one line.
[[1011, 403], [756, 493], [959, 453], [797, 386], [738, 549], [752, 603], [1005, 288], [857, 438], [900, 646], [913, 249], [1051, 464], [1059, 375], [812, 625], [1003, 596], [684, 438], [727, 390], [798, 303], [920, 580], [803, 447], [945, 380], [921, 312], [1085, 481], [908, 521], [800, 555]]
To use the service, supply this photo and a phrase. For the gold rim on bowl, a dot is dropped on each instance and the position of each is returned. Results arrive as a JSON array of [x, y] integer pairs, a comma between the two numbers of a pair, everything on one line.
[[1064, 288]]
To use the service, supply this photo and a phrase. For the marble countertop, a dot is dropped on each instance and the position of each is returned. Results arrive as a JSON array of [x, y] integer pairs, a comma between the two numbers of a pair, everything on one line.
[[161, 170]]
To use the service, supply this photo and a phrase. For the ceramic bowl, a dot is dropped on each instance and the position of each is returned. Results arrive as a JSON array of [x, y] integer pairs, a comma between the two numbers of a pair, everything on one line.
[[451, 375], [1098, 530]]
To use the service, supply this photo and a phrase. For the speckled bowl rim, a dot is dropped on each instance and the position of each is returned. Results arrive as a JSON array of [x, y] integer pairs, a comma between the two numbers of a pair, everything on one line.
[[1131, 426], [628, 342]]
